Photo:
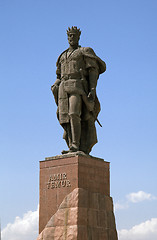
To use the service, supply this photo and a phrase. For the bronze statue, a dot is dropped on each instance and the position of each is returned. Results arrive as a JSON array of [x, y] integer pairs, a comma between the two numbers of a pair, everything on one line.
[[78, 70]]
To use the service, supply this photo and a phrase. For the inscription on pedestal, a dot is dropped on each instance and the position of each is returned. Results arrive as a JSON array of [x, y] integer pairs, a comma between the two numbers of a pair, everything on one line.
[[58, 180]]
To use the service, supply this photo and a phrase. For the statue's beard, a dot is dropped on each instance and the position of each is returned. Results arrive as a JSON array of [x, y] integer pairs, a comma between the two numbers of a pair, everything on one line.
[[73, 43]]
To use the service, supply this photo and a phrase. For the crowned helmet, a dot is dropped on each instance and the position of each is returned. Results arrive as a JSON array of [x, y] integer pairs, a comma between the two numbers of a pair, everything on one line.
[[74, 30]]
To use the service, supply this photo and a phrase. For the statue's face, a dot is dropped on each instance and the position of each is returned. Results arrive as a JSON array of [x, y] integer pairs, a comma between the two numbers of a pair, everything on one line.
[[73, 39]]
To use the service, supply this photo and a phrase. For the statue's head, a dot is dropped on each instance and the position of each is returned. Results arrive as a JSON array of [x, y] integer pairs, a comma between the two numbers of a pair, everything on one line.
[[73, 35]]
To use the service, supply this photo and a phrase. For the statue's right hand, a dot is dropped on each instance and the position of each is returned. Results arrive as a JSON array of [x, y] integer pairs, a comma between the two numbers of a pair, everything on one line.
[[54, 88]]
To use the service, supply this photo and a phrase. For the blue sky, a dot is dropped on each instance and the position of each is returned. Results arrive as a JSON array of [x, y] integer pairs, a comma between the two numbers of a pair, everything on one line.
[[123, 33]]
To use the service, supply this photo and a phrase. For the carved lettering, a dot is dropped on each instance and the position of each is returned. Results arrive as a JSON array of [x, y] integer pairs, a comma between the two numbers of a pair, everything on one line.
[[58, 180], [52, 184], [64, 176], [58, 184], [68, 183], [63, 183]]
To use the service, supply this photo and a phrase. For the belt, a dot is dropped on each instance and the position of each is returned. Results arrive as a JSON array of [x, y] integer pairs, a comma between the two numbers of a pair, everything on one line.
[[71, 76]]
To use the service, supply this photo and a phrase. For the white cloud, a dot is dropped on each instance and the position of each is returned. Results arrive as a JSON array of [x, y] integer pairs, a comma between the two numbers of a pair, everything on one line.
[[119, 206], [144, 231], [134, 197], [25, 228], [139, 197]]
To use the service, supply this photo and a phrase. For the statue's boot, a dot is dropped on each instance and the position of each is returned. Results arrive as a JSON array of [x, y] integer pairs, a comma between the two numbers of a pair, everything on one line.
[[84, 137], [75, 123], [67, 136], [65, 151]]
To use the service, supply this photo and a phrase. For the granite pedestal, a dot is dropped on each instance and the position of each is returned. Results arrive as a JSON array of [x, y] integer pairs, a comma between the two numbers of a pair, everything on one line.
[[75, 200]]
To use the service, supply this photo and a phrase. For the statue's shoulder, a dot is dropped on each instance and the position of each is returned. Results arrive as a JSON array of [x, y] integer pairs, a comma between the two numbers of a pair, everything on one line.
[[58, 60], [89, 52]]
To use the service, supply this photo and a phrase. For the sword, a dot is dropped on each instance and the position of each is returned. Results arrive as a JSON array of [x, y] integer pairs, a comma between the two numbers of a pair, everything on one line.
[[89, 103]]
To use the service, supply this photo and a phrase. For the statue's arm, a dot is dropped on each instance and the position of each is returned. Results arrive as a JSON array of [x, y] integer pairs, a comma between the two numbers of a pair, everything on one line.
[[93, 78], [93, 75], [55, 86], [94, 66]]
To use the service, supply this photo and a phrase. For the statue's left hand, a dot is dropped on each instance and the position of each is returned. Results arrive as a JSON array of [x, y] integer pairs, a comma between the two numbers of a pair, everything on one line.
[[91, 95]]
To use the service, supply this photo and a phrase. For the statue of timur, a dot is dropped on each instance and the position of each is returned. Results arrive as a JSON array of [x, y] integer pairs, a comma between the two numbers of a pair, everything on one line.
[[78, 70]]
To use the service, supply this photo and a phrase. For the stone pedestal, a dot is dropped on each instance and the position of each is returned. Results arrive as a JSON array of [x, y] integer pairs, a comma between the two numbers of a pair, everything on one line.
[[75, 200]]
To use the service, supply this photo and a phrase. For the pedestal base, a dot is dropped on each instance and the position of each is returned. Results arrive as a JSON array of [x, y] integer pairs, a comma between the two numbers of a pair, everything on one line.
[[81, 216], [75, 200]]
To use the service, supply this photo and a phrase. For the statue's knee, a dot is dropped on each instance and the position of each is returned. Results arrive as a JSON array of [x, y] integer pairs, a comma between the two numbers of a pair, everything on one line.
[[74, 116]]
